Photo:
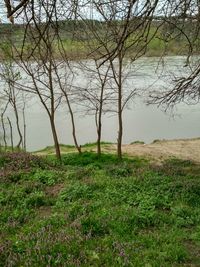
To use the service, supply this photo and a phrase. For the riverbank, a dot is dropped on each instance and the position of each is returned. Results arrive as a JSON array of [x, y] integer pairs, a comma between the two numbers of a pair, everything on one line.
[[78, 48], [159, 150]]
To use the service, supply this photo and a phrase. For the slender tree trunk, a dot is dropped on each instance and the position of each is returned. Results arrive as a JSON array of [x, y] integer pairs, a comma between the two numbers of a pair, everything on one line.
[[4, 131], [120, 133], [99, 126], [11, 134], [24, 123], [73, 124], [74, 134], [18, 127], [120, 121], [100, 111], [3, 125], [55, 138], [99, 140]]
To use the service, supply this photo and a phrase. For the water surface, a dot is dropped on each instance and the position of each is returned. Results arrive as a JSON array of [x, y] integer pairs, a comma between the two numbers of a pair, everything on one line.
[[141, 122]]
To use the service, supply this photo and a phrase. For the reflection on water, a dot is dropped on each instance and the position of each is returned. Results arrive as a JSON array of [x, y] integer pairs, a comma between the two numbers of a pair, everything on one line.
[[141, 122]]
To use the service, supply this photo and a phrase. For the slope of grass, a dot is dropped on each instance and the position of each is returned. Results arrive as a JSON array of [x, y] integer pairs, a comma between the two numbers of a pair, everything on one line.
[[91, 211], [71, 148]]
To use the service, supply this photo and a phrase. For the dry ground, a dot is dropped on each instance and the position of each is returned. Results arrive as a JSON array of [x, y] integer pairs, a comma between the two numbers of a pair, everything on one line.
[[187, 149]]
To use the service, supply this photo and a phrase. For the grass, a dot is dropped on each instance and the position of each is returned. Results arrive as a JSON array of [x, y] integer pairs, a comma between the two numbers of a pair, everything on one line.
[[98, 211], [137, 142], [71, 148]]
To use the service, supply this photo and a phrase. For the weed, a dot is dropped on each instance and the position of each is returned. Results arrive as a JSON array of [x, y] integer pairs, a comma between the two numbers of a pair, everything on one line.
[[105, 212]]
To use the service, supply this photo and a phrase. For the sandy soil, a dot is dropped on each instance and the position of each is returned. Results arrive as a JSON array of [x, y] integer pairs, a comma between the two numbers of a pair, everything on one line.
[[188, 149]]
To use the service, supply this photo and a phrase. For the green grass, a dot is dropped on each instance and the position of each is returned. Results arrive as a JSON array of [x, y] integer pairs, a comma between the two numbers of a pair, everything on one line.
[[98, 211], [137, 142], [71, 148], [51, 149]]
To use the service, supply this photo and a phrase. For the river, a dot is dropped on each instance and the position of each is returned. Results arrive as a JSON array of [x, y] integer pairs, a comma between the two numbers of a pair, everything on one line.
[[141, 122]]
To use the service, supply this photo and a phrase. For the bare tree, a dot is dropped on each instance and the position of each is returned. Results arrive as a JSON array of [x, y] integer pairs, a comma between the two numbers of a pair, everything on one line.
[[123, 30], [3, 124], [64, 83], [11, 10], [40, 60], [24, 100], [42, 45], [10, 77], [184, 88], [182, 22], [96, 98], [119, 36], [40, 77]]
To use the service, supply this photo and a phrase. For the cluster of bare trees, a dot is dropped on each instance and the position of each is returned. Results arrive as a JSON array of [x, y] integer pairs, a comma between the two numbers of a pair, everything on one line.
[[113, 35], [13, 101]]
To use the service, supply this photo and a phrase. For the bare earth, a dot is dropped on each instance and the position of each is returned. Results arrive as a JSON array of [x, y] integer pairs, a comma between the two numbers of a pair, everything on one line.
[[187, 149]]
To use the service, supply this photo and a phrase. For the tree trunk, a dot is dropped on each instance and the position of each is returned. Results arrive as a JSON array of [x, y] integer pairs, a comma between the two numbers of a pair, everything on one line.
[[120, 122], [99, 122], [18, 127], [11, 134], [4, 132], [99, 129], [74, 133], [73, 124], [55, 138], [120, 133], [99, 140], [24, 123]]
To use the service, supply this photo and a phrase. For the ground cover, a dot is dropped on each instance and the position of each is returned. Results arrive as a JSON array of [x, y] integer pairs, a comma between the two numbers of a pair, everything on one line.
[[90, 211]]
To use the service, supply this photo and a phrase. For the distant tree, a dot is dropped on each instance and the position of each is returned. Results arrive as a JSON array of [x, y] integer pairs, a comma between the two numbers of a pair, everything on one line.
[[10, 93]]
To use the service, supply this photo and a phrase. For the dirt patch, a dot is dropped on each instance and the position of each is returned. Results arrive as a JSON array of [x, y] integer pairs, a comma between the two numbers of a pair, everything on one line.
[[194, 252], [54, 190], [44, 212], [187, 149]]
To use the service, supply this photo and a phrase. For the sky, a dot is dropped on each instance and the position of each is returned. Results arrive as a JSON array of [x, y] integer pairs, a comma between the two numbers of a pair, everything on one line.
[[3, 15], [2, 12], [85, 11]]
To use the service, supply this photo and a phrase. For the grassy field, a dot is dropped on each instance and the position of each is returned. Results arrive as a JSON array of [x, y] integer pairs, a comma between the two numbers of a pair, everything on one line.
[[90, 211]]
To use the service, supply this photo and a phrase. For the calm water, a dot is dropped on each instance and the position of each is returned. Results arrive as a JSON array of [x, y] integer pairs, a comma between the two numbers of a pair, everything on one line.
[[141, 122]]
